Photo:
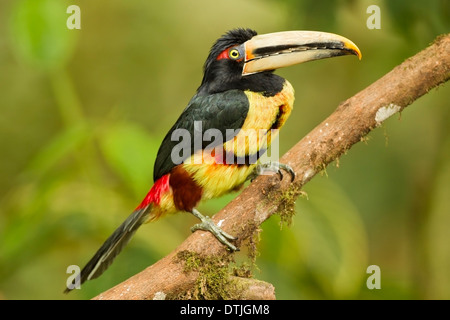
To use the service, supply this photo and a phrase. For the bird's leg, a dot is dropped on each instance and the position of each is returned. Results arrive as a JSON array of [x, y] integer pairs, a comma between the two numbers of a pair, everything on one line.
[[208, 225], [271, 166]]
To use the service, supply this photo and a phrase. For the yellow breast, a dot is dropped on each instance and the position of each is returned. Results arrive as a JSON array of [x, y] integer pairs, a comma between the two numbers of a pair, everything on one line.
[[265, 116]]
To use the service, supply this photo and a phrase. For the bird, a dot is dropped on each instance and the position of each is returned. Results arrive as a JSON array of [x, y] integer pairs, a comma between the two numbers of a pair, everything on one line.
[[242, 104]]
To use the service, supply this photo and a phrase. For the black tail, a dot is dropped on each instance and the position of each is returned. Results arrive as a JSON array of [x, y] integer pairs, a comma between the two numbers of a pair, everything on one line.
[[113, 246]]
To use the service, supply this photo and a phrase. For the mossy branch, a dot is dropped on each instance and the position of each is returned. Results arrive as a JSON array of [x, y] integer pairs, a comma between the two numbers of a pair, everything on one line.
[[349, 124]]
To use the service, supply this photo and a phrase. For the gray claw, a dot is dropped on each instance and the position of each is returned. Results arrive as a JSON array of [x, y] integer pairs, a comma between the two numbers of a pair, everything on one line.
[[288, 169], [272, 167], [280, 174], [207, 224]]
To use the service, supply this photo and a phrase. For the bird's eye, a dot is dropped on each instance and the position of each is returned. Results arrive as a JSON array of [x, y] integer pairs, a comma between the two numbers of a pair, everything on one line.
[[234, 54]]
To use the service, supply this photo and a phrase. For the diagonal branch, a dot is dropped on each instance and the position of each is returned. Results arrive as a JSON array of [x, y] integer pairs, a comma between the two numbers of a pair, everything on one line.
[[351, 121]]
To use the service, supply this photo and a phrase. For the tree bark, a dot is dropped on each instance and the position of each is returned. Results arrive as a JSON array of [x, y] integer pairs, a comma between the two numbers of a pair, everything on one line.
[[350, 122]]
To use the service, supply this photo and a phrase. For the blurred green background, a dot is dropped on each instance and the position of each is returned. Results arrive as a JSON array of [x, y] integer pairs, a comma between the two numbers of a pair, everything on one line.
[[83, 113]]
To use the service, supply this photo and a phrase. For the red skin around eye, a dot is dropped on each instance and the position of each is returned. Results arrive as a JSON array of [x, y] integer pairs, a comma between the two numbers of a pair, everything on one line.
[[223, 55]]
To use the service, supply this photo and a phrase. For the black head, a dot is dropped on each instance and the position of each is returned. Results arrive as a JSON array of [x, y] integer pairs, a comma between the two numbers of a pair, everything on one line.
[[224, 65], [243, 60]]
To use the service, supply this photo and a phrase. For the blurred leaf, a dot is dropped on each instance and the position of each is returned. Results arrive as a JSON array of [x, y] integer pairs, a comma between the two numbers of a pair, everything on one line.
[[23, 241], [332, 238], [415, 18], [317, 14], [39, 33], [437, 232], [131, 152], [60, 146], [313, 14]]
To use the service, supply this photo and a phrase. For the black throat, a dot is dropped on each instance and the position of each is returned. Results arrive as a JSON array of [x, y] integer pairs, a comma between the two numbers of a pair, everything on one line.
[[266, 83]]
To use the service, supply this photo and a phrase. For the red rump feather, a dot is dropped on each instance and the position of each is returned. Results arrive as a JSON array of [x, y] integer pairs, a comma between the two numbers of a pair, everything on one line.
[[154, 195]]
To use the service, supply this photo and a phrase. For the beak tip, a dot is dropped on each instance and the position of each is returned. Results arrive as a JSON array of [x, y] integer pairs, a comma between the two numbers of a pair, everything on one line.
[[354, 49]]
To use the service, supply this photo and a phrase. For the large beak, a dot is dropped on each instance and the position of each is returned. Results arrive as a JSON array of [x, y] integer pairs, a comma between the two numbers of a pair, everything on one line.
[[281, 49]]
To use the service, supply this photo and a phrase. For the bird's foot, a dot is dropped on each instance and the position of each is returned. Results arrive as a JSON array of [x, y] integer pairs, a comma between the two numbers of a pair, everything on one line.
[[207, 224], [273, 167]]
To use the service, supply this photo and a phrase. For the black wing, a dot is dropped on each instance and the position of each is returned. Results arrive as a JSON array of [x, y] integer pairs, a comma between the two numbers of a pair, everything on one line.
[[220, 111]]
